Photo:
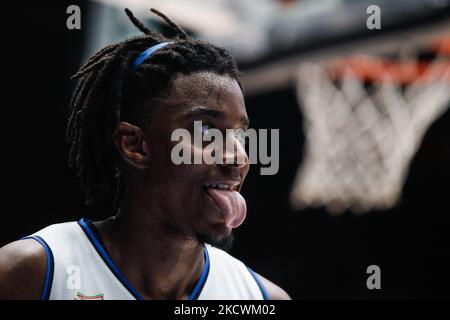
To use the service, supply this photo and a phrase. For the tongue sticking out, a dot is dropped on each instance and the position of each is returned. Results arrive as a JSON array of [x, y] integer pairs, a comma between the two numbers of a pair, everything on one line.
[[232, 205]]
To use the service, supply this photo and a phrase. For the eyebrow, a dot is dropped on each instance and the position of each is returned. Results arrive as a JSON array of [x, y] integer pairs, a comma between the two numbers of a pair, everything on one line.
[[205, 111], [202, 111]]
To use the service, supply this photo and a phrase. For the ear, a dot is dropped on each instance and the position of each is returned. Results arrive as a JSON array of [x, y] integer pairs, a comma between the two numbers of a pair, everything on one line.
[[132, 144]]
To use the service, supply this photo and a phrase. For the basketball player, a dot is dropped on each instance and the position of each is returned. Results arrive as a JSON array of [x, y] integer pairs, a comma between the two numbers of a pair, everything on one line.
[[165, 241]]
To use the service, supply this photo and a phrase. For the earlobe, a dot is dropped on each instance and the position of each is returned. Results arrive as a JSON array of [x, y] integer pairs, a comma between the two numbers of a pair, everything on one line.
[[132, 144]]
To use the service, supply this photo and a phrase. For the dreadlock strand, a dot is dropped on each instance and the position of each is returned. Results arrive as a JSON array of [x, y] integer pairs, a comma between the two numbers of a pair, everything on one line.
[[180, 31], [100, 54], [91, 67], [96, 148], [81, 91], [137, 23], [80, 150]]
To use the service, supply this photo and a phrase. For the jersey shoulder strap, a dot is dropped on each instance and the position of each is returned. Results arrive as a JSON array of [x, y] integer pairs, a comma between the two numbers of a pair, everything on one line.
[[75, 269], [229, 278]]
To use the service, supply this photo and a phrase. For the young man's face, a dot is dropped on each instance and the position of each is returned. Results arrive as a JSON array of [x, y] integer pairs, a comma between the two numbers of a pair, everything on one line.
[[193, 209]]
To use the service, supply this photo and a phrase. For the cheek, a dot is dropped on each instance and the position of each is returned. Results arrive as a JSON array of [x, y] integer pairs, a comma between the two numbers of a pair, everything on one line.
[[185, 178]]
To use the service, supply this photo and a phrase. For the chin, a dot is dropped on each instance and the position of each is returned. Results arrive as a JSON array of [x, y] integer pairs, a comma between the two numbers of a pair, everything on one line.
[[222, 242]]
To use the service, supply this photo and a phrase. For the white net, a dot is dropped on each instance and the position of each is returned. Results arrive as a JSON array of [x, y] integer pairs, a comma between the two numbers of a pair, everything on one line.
[[360, 140]]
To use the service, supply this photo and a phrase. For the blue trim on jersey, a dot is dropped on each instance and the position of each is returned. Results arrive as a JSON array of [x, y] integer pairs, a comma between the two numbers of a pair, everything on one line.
[[201, 282], [84, 223], [107, 259], [261, 286], [45, 293]]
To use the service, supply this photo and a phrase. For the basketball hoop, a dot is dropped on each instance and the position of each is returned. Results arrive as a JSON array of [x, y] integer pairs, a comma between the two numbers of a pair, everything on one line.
[[364, 119]]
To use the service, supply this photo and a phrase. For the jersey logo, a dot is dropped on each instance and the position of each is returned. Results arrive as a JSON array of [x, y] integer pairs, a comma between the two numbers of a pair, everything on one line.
[[81, 296]]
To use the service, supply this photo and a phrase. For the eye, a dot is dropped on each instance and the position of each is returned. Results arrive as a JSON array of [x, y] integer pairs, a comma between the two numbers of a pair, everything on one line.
[[206, 127], [202, 127]]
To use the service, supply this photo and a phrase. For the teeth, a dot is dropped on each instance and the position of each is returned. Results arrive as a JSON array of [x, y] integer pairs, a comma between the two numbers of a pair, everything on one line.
[[220, 186]]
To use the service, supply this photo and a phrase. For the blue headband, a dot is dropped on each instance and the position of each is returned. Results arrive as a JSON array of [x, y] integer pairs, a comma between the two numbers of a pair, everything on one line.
[[147, 53]]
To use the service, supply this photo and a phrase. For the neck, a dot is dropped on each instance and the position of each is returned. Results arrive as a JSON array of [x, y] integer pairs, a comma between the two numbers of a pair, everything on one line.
[[159, 262]]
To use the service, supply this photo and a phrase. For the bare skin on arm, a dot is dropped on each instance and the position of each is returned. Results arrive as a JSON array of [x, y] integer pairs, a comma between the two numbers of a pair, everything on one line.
[[23, 265], [274, 291]]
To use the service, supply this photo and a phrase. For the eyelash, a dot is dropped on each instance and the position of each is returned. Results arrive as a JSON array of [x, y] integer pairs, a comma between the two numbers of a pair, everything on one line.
[[207, 123]]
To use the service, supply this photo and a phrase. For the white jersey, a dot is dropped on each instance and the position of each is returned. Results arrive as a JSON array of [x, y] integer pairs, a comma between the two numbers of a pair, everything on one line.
[[79, 267]]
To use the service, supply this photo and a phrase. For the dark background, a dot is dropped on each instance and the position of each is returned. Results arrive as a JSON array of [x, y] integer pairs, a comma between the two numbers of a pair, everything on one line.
[[310, 253]]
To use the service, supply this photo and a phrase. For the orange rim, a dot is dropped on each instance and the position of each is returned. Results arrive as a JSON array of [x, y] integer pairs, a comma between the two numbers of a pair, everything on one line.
[[373, 69]]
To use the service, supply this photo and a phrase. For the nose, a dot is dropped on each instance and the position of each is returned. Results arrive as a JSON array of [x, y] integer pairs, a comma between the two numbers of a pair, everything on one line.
[[234, 153]]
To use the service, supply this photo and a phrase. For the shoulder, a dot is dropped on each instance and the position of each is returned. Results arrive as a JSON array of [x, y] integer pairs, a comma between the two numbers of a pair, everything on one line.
[[23, 265], [274, 291]]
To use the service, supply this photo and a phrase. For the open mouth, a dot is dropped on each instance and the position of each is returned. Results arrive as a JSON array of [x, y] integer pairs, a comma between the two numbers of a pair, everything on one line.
[[228, 202], [221, 186]]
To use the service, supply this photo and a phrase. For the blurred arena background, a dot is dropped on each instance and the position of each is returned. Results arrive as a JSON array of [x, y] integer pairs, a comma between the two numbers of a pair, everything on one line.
[[364, 125]]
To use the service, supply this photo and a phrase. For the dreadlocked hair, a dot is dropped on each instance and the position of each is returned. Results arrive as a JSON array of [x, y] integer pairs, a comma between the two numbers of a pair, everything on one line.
[[110, 90]]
